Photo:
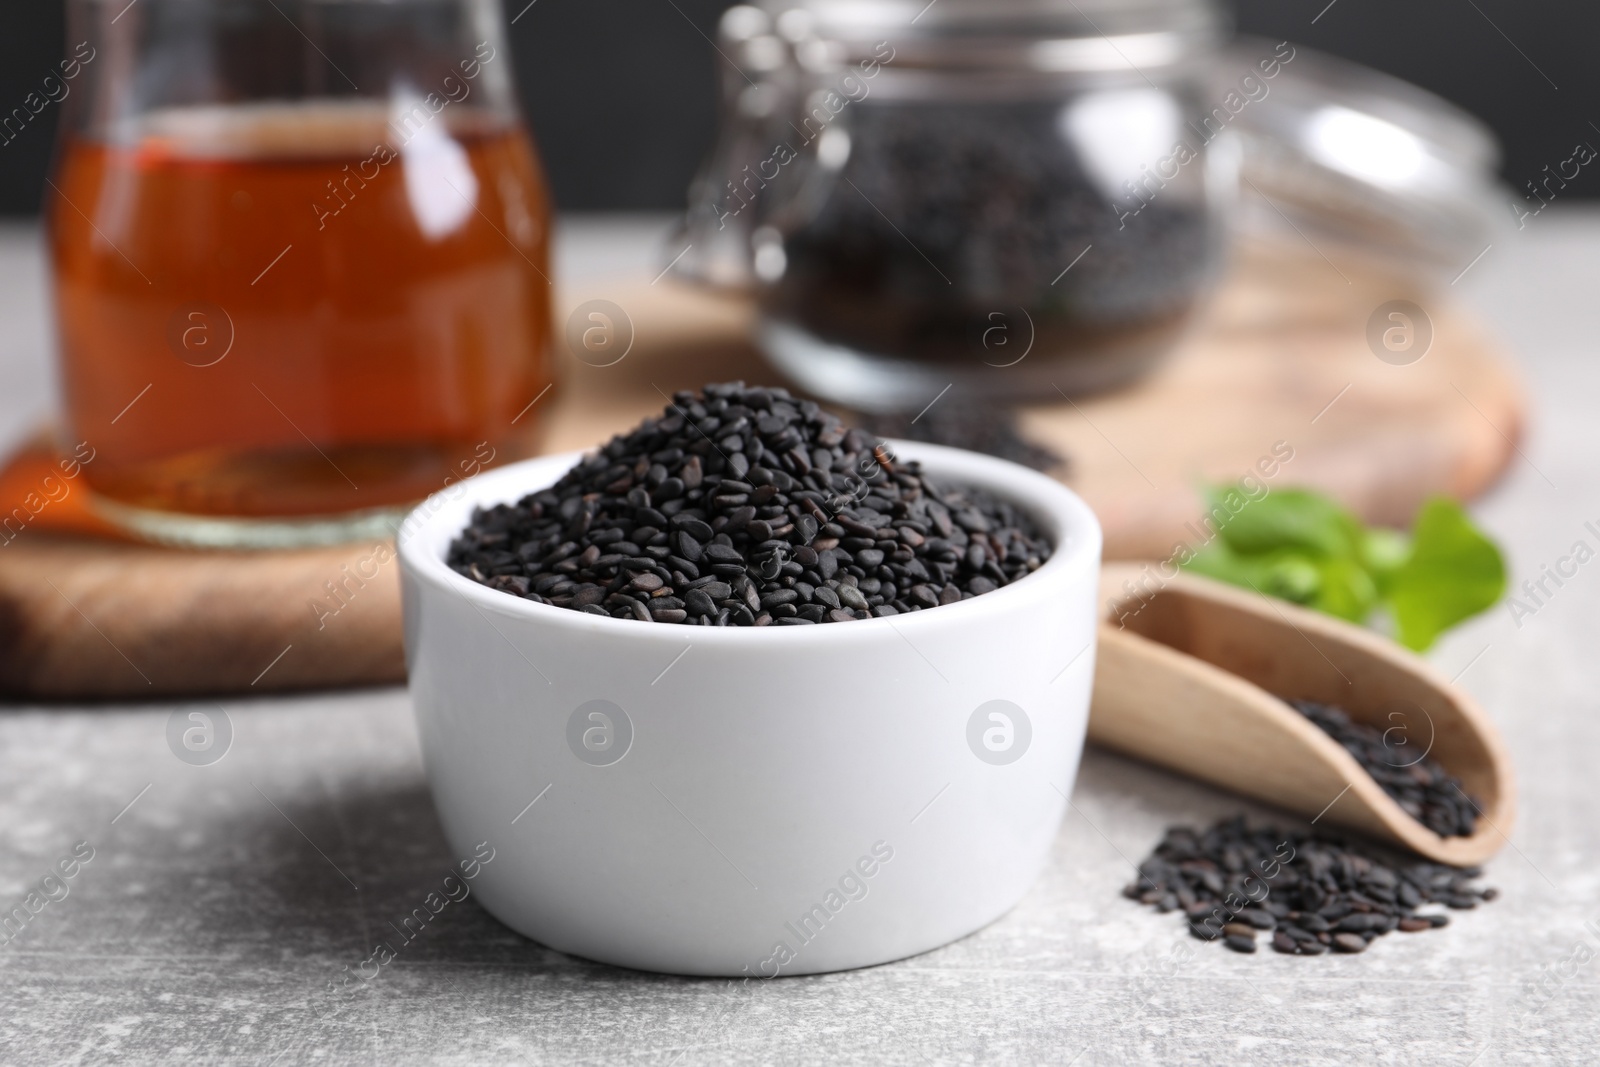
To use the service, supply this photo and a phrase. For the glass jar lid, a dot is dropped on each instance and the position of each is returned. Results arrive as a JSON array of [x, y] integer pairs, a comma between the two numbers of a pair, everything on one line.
[[1353, 157], [1042, 35]]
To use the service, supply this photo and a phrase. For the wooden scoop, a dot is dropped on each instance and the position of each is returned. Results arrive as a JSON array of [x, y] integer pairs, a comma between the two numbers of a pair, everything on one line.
[[1193, 675]]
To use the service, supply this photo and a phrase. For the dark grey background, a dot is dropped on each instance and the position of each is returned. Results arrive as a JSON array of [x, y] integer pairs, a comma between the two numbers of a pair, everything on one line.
[[621, 92]]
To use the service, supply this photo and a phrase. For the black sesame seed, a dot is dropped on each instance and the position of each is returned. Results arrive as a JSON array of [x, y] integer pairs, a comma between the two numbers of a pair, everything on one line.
[[744, 507], [1419, 784], [1317, 891]]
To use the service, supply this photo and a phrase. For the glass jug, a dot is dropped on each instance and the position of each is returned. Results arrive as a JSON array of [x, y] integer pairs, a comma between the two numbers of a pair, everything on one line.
[[300, 254]]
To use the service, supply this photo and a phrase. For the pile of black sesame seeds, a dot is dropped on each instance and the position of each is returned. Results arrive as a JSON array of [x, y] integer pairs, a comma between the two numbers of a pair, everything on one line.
[[1308, 893], [1420, 785], [747, 507]]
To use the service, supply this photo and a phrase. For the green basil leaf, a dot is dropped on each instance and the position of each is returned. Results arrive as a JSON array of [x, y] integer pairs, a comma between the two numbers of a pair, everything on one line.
[[1286, 574], [1301, 546], [1287, 518], [1384, 551], [1453, 573], [1346, 591]]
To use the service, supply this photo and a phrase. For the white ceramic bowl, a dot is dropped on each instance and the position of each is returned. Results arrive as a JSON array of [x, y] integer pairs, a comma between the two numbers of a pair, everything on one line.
[[753, 801]]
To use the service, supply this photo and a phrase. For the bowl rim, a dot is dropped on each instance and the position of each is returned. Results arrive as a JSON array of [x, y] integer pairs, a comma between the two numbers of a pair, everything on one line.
[[1071, 524]]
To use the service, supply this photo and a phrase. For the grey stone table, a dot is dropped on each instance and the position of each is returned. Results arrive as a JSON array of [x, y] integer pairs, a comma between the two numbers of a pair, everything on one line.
[[221, 901]]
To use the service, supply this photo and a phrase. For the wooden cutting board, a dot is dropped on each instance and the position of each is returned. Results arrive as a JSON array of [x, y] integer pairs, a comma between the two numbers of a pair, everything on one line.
[[1281, 367]]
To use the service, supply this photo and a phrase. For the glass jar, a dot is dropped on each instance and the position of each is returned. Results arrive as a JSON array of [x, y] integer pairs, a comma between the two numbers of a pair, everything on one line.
[[300, 261], [759, 81], [1014, 198]]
